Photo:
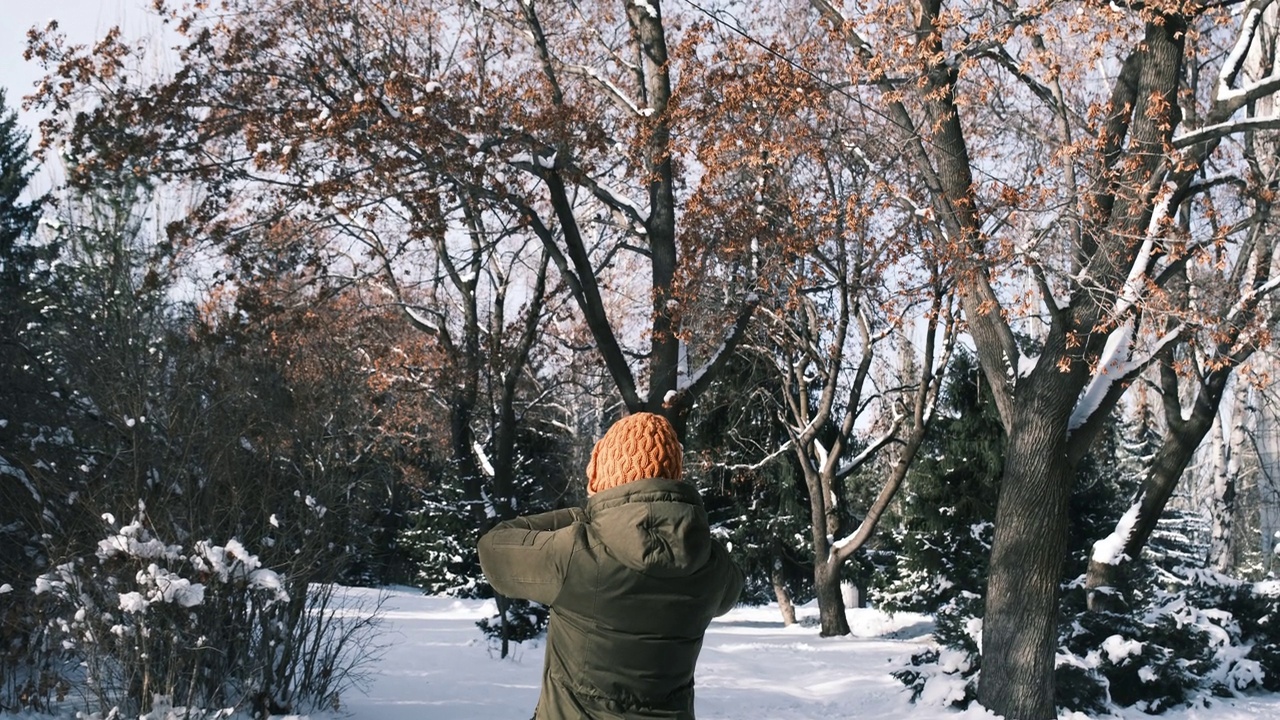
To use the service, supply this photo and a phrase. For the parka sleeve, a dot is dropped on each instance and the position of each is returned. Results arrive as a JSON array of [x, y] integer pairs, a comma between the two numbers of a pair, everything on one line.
[[527, 557], [734, 580]]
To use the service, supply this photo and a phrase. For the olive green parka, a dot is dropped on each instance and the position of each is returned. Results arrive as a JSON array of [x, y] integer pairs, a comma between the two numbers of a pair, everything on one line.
[[633, 581]]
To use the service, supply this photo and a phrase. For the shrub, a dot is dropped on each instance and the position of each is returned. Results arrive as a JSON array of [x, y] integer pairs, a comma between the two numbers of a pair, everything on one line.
[[517, 620], [1197, 634], [948, 675], [142, 624], [1192, 636]]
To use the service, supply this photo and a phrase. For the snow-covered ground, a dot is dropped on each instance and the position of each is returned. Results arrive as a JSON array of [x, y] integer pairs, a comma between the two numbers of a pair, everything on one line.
[[437, 665]]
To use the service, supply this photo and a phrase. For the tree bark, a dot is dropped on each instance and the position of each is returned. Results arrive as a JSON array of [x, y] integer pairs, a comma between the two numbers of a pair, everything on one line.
[[780, 591], [831, 615], [1181, 439], [1021, 622], [1222, 546]]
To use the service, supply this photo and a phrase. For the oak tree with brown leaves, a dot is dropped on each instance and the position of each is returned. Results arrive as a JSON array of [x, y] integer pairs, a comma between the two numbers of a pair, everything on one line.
[[1085, 169]]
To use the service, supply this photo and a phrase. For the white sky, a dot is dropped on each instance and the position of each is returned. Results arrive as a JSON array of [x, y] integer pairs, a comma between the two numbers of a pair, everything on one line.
[[83, 21]]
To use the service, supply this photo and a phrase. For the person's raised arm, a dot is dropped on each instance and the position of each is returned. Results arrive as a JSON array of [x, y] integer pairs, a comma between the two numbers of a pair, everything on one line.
[[527, 557]]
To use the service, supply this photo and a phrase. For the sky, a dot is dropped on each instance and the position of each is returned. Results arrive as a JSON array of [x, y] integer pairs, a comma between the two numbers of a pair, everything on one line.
[[83, 21]]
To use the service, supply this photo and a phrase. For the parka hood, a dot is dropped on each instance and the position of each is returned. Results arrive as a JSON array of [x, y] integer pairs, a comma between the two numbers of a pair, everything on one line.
[[655, 526]]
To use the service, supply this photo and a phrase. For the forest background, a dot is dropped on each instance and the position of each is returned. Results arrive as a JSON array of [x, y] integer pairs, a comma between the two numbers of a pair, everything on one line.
[[958, 308]]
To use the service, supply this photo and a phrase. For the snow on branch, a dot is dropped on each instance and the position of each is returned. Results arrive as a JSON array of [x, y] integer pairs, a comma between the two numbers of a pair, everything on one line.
[[614, 91], [483, 458], [421, 321], [1111, 366], [872, 448], [1133, 284], [1235, 59], [389, 108], [693, 383], [1217, 130], [1250, 295], [618, 201], [1117, 364], [1110, 549], [749, 467], [8, 468]]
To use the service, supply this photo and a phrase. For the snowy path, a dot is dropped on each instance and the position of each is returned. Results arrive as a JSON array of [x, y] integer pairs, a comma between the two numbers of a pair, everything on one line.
[[437, 666]]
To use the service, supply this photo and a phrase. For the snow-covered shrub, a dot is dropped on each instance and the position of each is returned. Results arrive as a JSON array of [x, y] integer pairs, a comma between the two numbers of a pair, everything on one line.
[[1109, 658], [948, 675], [1197, 635], [517, 620], [142, 623]]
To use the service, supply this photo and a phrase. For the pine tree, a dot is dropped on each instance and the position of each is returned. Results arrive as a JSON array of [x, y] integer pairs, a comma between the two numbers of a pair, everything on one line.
[[760, 504], [23, 407], [17, 258], [24, 280], [17, 219], [946, 532]]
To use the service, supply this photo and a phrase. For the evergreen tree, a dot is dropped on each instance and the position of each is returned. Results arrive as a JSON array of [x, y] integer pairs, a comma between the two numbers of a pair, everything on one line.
[[17, 219], [760, 505], [946, 531], [18, 265], [20, 400]]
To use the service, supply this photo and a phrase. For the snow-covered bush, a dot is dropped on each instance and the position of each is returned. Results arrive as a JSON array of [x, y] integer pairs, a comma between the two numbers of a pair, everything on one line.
[[142, 624], [517, 620], [1196, 635], [948, 675]]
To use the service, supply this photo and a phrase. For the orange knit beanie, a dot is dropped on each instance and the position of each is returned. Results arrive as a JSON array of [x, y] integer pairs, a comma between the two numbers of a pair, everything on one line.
[[637, 447]]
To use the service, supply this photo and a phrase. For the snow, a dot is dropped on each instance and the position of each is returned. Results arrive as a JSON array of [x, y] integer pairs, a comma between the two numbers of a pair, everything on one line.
[[132, 602], [1235, 58], [1112, 365], [1118, 649], [1027, 364], [644, 5], [483, 458], [436, 664], [1110, 549], [8, 468], [617, 199], [942, 690]]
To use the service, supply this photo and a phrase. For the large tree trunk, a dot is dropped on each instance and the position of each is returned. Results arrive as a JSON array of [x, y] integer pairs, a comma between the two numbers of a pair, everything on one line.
[[1020, 625], [826, 581]]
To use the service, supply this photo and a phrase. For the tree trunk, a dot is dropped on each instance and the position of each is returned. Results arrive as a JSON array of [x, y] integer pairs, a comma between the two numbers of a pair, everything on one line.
[[826, 581], [1229, 447], [462, 456], [785, 605], [1020, 626], [1177, 447], [503, 605]]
